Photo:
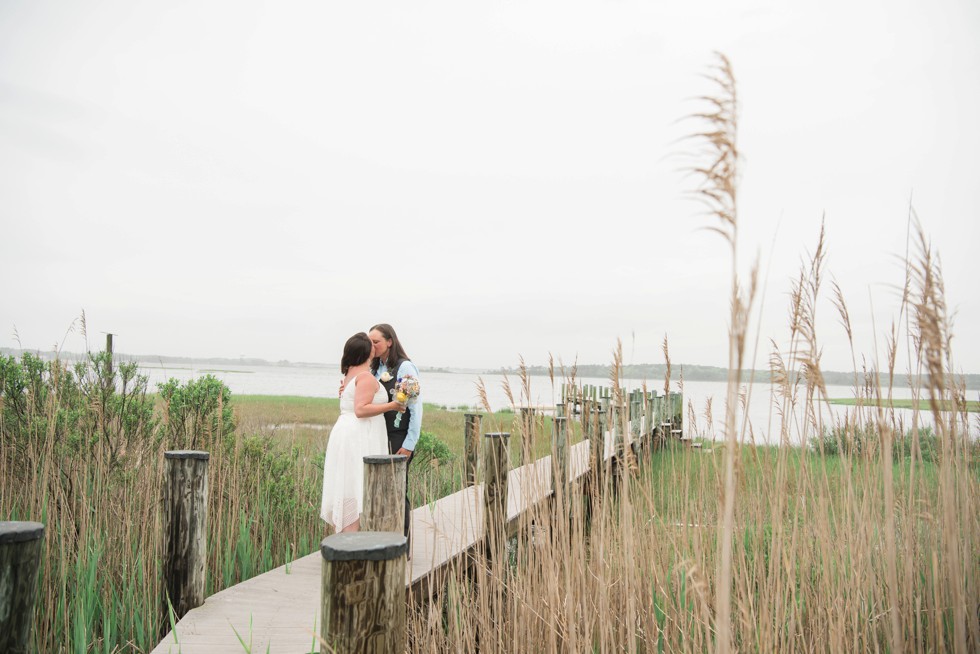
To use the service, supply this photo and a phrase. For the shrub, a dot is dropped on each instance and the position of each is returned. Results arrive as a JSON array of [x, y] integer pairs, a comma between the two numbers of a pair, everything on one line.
[[198, 414], [429, 448], [867, 441], [90, 408], [432, 474]]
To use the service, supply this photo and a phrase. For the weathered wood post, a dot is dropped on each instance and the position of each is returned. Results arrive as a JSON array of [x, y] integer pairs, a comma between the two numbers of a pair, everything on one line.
[[527, 435], [384, 493], [108, 350], [585, 417], [559, 465], [589, 434], [20, 559], [677, 414], [644, 442], [496, 464], [471, 447], [362, 598], [185, 529], [664, 417], [616, 429], [605, 404], [636, 416], [650, 423], [599, 449], [619, 464]]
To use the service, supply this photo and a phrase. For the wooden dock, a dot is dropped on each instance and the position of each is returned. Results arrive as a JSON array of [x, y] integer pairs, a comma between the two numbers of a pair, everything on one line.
[[279, 611]]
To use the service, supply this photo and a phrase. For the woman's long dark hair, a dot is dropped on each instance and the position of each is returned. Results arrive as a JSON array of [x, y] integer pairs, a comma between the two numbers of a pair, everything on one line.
[[357, 350], [395, 353]]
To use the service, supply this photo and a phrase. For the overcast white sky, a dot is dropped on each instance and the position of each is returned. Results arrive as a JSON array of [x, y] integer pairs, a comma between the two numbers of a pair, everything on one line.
[[494, 179]]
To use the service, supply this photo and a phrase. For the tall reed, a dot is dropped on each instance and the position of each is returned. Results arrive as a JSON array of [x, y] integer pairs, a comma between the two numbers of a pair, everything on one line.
[[81, 450], [757, 548], [852, 544], [848, 549]]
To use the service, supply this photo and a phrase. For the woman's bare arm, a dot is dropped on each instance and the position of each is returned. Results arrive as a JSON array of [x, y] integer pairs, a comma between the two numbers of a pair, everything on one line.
[[364, 392]]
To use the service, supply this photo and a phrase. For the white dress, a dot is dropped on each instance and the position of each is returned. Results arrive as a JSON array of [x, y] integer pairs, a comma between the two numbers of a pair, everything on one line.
[[351, 439]]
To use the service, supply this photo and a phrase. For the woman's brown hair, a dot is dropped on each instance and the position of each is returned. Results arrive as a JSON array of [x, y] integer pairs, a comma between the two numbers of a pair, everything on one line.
[[395, 353], [357, 350]]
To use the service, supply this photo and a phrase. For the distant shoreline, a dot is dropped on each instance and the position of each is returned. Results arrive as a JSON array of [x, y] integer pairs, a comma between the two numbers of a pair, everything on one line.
[[648, 371], [658, 371]]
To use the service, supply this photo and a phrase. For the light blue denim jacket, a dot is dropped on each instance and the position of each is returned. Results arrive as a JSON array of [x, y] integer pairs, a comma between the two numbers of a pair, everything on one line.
[[415, 420]]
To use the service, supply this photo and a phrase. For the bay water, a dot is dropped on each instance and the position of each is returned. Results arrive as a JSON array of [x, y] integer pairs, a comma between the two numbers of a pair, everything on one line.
[[704, 401]]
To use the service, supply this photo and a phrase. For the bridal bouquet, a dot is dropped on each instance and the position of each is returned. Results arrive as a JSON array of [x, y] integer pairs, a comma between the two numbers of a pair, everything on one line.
[[407, 388]]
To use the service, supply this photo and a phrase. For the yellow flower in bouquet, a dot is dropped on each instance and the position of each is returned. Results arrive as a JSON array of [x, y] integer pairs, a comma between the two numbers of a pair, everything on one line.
[[407, 388]]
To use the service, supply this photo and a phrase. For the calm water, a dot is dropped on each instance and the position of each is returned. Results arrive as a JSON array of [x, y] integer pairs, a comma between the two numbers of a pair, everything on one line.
[[457, 390]]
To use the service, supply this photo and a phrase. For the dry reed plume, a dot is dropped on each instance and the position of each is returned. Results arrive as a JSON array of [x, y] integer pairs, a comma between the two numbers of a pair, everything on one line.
[[866, 541], [855, 544], [851, 550]]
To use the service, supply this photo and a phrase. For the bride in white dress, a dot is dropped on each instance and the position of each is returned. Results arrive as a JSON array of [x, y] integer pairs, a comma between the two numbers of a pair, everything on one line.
[[360, 431]]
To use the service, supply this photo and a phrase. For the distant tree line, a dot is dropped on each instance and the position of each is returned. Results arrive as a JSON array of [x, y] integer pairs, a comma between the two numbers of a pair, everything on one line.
[[121, 356], [653, 372]]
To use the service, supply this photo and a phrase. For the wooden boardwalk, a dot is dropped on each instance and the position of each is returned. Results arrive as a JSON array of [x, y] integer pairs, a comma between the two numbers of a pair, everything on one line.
[[279, 611]]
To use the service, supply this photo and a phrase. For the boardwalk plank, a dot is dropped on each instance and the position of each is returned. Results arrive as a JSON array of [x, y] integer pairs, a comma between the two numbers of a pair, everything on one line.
[[280, 612]]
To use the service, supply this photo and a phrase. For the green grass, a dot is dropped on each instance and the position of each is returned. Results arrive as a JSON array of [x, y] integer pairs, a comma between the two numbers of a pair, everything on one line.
[[305, 422], [256, 412], [100, 585], [922, 405], [688, 472]]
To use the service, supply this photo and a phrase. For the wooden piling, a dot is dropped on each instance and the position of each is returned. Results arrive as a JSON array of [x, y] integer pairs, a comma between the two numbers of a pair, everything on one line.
[[496, 464], [559, 462], [384, 493], [637, 427], [598, 449], [663, 420], [471, 444], [649, 426], [108, 350], [363, 603], [20, 559], [589, 433], [185, 527], [586, 420], [677, 413], [616, 428], [527, 435]]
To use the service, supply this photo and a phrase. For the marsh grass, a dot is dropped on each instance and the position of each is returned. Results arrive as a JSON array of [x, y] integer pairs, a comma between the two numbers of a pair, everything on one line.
[[82, 452], [865, 541], [869, 545], [812, 568], [971, 406], [870, 548]]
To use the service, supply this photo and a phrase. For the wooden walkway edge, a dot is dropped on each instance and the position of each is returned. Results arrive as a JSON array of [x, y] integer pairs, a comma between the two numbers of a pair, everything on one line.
[[278, 611]]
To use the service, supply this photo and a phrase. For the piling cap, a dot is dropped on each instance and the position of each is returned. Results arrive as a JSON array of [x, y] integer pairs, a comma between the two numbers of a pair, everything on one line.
[[20, 532], [497, 434], [187, 454], [364, 546], [385, 458]]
